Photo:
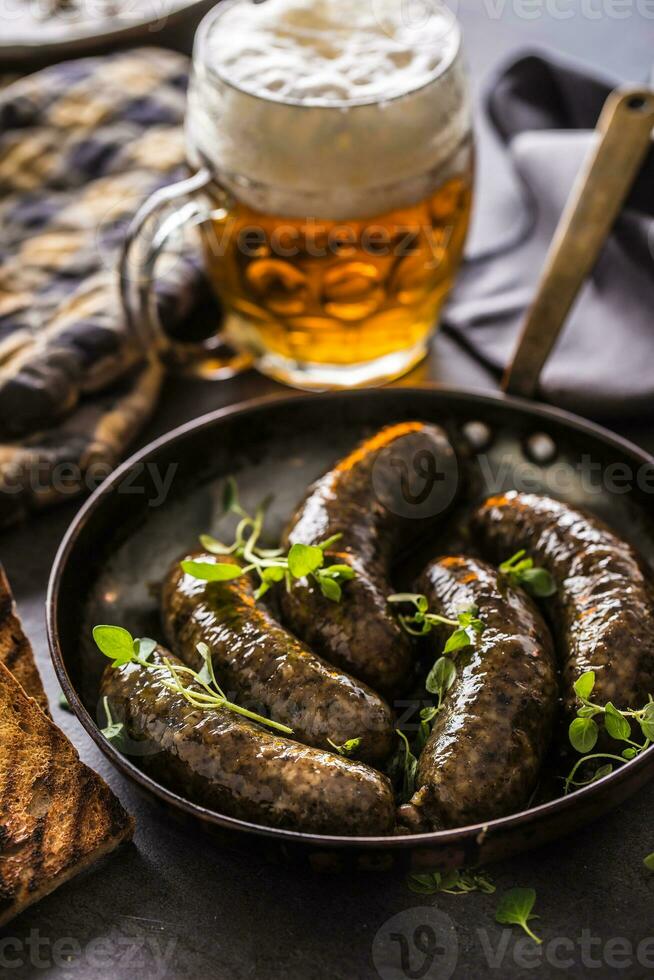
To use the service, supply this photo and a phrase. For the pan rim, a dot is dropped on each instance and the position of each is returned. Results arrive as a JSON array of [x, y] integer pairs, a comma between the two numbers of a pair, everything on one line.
[[451, 837]]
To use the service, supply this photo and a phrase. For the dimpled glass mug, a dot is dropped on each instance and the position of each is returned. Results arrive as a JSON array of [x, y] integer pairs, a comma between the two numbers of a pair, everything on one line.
[[333, 157]]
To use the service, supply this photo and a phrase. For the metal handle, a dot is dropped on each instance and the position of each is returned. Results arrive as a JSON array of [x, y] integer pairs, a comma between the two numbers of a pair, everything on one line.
[[625, 128], [210, 358]]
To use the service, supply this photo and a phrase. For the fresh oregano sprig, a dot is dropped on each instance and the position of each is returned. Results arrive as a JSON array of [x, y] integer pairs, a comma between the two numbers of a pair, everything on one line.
[[270, 564], [585, 729], [521, 571], [467, 627], [120, 646]]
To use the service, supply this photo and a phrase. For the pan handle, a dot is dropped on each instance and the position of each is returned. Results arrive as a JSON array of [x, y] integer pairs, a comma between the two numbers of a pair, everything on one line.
[[624, 132]]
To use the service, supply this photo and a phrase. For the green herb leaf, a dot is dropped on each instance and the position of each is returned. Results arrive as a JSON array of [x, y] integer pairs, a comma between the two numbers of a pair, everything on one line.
[[425, 884], [113, 731], [450, 882], [515, 908], [649, 862], [273, 573], [63, 703], [348, 748], [205, 676], [324, 545], [230, 495], [457, 641], [210, 571], [601, 772], [410, 768], [344, 572], [415, 598], [115, 642], [303, 559], [583, 734], [441, 677], [215, 547], [144, 647], [538, 582], [616, 724], [584, 685], [330, 589], [520, 571], [647, 721]]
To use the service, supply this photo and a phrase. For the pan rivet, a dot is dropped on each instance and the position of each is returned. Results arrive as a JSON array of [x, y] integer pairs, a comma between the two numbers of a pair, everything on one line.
[[540, 448], [478, 435]]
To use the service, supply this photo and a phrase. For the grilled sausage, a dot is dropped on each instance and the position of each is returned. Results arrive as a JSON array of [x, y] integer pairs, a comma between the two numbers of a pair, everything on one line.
[[485, 751], [366, 498], [603, 611], [223, 761], [267, 667]]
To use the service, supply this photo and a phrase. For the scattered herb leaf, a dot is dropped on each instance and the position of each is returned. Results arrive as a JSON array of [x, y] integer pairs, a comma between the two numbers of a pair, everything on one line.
[[515, 909], [649, 862], [450, 882]]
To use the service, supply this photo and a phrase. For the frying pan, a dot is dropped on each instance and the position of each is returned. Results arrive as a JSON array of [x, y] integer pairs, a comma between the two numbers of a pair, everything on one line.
[[158, 501]]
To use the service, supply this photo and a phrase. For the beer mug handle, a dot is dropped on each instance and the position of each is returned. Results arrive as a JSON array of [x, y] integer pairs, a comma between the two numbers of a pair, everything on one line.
[[209, 358]]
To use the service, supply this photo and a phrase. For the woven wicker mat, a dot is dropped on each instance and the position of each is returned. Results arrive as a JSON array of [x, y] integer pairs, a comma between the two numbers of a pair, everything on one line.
[[81, 145]]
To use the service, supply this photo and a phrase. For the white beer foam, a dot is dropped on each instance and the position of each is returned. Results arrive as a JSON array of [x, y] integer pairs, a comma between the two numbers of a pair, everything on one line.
[[333, 108]]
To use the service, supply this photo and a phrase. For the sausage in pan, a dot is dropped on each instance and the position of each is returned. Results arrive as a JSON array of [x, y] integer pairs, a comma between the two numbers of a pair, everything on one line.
[[488, 742], [365, 499], [231, 765], [603, 610], [266, 666]]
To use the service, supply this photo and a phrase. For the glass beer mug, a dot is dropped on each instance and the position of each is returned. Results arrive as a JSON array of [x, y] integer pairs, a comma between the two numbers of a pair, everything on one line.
[[332, 150]]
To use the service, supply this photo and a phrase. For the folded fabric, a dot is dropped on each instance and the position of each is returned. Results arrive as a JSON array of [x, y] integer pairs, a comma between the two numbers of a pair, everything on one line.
[[603, 363], [82, 144]]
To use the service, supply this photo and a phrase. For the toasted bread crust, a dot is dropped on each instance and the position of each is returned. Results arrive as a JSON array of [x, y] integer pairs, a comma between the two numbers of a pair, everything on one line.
[[56, 815], [15, 649]]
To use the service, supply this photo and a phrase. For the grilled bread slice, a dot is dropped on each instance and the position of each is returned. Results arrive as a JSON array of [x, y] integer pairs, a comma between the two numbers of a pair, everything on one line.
[[56, 816], [15, 649]]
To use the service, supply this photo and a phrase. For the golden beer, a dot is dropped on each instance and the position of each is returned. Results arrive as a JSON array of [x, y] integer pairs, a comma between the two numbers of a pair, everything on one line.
[[338, 293], [332, 149]]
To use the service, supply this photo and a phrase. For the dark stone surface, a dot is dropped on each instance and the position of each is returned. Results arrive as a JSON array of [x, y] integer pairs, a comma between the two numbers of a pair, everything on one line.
[[177, 905]]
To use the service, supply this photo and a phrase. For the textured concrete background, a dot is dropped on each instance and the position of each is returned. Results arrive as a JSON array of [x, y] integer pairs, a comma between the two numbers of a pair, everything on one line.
[[176, 905]]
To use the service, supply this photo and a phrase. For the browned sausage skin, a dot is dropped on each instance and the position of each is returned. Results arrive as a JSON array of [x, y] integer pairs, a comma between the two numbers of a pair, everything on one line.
[[488, 742], [231, 765], [603, 611], [269, 668], [363, 499]]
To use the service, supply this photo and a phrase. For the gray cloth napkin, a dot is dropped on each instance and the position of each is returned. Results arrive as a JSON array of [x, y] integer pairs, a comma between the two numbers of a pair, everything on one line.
[[603, 364]]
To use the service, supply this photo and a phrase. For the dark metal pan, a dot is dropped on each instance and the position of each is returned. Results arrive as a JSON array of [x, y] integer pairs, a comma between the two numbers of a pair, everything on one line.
[[121, 541], [158, 501]]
